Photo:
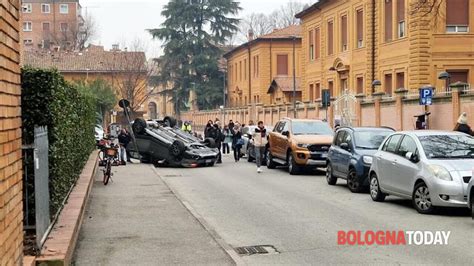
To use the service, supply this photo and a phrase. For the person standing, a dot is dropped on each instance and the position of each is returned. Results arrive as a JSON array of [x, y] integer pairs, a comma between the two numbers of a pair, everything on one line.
[[231, 125], [217, 136], [187, 127], [237, 142], [462, 125], [259, 142], [124, 139], [208, 129], [227, 140]]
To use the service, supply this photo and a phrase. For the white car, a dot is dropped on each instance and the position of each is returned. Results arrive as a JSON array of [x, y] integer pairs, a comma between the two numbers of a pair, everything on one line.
[[470, 195], [432, 168], [99, 133]]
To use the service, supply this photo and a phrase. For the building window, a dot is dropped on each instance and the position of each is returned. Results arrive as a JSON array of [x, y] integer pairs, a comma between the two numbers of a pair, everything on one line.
[[400, 80], [388, 84], [360, 85], [344, 33], [311, 92], [318, 91], [258, 66], [28, 42], [236, 78], [64, 9], [401, 18], [457, 16], [282, 65], [27, 26], [64, 27], [330, 88], [45, 8], [245, 69], [311, 45], [459, 76], [240, 70], [27, 8], [46, 26], [330, 37], [317, 52], [388, 20], [360, 28]]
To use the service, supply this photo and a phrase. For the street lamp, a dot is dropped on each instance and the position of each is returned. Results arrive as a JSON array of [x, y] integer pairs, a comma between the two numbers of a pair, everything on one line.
[[294, 76], [375, 83], [446, 77]]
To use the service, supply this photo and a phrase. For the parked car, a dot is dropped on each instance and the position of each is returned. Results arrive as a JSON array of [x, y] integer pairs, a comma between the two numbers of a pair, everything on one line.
[[159, 145], [432, 168], [299, 144], [350, 155], [470, 195], [99, 133]]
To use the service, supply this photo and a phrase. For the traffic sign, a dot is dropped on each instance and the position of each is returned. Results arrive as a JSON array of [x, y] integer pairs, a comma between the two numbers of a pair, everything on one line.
[[326, 100], [426, 96]]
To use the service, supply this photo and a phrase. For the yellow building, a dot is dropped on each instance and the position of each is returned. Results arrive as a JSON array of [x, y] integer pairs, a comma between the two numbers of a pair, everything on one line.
[[349, 44], [261, 70]]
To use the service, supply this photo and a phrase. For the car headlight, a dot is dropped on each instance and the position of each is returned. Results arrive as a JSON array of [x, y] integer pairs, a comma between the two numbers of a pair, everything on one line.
[[302, 145], [367, 159], [440, 172]]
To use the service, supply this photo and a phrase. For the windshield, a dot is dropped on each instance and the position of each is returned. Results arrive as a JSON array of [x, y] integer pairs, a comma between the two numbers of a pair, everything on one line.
[[448, 146], [311, 128], [370, 139]]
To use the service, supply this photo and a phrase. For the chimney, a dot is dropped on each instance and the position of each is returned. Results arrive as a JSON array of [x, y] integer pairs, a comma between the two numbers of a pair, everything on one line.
[[115, 47], [250, 35]]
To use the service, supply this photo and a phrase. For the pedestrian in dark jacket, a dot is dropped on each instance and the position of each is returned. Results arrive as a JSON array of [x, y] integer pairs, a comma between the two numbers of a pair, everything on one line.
[[208, 129], [237, 142], [124, 139], [462, 125], [217, 136]]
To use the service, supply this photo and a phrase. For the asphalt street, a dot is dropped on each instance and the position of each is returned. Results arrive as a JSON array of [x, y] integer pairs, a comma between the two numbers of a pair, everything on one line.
[[301, 215]]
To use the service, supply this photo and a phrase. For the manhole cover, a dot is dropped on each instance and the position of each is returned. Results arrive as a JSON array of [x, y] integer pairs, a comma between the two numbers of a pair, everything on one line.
[[252, 250]]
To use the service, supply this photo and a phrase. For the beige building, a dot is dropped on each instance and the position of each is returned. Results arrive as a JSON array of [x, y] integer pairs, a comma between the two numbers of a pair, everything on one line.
[[51, 24], [261, 70], [349, 44]]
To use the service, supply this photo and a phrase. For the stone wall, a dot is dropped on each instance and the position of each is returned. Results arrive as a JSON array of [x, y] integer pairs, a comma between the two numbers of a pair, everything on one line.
[[11, 208]]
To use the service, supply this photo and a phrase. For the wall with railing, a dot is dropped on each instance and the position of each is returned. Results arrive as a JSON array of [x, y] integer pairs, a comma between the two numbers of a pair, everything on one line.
[[397, 111]]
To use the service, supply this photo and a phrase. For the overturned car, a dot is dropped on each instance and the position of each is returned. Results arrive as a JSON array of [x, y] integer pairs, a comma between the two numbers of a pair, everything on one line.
[[161, 144]]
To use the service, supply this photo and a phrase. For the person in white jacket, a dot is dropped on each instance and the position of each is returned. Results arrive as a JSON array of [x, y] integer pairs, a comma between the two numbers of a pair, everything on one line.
[[259, 141]]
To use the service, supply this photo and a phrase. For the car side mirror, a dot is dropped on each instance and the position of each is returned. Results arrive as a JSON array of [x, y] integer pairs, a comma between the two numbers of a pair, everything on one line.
[[285, 133], [412, 157], [345, 146]]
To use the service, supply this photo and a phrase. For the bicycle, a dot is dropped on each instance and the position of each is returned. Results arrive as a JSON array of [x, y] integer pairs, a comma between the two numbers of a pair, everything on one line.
[[110, 154]]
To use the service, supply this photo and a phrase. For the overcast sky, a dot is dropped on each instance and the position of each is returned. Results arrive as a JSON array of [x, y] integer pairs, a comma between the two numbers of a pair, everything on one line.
[[123, 21]]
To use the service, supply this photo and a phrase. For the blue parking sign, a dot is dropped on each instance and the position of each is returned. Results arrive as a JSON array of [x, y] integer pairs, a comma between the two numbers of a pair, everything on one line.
[[426, 96]]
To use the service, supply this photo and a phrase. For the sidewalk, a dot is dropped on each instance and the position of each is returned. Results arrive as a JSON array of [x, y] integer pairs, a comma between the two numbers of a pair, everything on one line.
[[137, 220]]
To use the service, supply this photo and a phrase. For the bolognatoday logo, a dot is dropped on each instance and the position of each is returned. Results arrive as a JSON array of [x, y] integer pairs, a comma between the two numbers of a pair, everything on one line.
[[369, 238]]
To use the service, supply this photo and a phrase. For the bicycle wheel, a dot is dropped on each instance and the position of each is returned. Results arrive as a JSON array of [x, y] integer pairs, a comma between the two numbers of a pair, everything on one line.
[[107, 172]]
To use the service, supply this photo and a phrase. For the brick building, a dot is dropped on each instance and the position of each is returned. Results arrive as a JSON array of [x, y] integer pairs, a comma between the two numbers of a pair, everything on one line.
[[51, 24], [261, 70], [349, 44], [11, 207]]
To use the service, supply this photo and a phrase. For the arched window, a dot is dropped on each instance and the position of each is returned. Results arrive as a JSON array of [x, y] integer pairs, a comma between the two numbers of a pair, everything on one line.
[[152, 113]]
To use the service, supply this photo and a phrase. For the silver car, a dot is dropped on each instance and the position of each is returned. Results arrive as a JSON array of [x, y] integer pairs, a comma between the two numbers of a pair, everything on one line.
[[470, 195], [432, 168]]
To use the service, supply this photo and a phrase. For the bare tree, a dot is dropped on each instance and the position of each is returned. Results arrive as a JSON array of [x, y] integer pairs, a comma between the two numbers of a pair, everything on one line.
[[428, 11], [84, 33], [131, 74], [258, 23], [285, 15]]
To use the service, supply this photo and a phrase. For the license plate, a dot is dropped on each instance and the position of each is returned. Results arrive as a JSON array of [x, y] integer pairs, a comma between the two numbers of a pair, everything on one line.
[[324, 155], [209, 161]]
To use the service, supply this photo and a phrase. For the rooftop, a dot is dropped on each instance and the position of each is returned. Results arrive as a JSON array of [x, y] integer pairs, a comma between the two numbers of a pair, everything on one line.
[[315, 6], [93, 59], [285, 84]]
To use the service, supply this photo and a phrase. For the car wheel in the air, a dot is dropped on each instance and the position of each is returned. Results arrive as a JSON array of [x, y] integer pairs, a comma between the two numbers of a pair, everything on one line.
[[421, 199], [169, 121], [330, 178], [177, 148], [375, 193], [139, 126]]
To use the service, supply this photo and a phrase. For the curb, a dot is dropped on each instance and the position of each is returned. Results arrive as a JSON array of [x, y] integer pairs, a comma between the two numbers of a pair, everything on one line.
[[61, 242], [220, 241]]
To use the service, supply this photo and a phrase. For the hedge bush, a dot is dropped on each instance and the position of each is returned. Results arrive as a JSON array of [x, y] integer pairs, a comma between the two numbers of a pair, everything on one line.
[[48, 100]]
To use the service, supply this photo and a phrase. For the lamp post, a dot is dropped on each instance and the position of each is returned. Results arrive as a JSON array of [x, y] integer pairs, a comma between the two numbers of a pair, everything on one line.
[[375, 83], [294, 76], [446, 77]]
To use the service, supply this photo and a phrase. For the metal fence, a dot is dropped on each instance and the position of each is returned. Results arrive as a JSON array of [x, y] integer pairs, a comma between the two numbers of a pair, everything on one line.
[[36, 185]]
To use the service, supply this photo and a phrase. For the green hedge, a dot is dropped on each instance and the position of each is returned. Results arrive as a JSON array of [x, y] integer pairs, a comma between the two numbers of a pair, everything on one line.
[[48, 100]]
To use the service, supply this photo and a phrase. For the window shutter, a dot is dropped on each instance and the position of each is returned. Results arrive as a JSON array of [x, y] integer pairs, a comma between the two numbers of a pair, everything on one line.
[[360, 85], [400, 80], [457, 12], [388, 20], [458, 76], [311, 45], [400, 10], [330, 38], [344, 32], [388, 84], [282, 65], [318, 43], [360, 25]]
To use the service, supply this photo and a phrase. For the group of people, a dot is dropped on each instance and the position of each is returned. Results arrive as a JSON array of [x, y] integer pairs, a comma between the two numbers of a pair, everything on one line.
[[230, 136]]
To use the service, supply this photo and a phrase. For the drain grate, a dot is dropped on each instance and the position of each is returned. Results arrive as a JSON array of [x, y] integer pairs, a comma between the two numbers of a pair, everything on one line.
[[253, 250]]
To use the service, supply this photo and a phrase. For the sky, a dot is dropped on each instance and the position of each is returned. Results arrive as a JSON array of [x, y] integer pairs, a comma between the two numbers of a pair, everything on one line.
[[124, 21]]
